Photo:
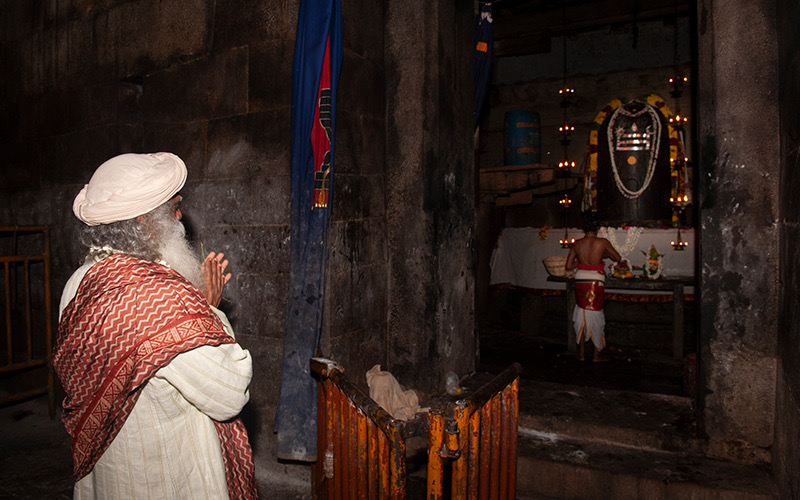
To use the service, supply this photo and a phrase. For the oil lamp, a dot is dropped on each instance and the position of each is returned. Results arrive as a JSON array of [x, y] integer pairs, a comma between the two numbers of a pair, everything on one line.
[[679, 245], [565, 163], [680, 200], [566, 131], [566, 242]]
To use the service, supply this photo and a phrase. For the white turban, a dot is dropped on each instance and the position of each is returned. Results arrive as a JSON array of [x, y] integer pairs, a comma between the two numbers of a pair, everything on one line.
[[129, 185]]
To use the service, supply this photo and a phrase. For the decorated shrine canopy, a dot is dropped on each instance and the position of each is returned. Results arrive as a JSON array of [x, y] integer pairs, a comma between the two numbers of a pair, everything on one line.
[[636, 165]]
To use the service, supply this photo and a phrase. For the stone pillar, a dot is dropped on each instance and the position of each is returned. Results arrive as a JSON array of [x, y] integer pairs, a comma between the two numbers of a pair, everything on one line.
[[786, 450], [738, 182], [429, 190]]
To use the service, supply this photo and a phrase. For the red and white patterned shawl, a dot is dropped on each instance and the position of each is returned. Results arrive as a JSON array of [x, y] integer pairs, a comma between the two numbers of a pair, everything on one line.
[[129, 318]]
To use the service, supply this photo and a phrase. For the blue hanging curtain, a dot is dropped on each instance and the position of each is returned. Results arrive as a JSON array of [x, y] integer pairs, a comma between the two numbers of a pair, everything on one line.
[[484, 47], [315, 75]]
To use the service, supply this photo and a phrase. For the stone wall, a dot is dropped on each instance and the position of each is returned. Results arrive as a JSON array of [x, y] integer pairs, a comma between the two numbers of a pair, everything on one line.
[[430, 190], [211, 82], [786, 451], [358, 292], [739, 182]]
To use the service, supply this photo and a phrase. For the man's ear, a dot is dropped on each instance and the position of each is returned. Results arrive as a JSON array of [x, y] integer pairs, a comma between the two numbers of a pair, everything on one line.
[[142, 220]]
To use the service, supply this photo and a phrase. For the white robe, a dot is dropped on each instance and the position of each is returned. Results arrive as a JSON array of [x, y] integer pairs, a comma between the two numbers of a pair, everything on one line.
[[168, 447]]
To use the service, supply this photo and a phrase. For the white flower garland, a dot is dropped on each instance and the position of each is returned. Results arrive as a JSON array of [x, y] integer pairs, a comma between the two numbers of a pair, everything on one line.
[[651, 167], [631, 239], [658, 271], [105, 249]]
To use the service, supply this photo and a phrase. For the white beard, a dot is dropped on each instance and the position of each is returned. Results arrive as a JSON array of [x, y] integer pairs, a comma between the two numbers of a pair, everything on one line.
[[177, 252]]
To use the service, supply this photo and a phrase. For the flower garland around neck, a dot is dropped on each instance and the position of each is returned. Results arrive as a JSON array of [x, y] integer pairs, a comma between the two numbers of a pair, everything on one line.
[[105, 251], [631, 239], [589, 201], [651, 165], [657, 273]]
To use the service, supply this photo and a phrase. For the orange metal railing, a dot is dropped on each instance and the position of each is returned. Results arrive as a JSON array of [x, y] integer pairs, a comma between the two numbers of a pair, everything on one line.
[[485, 461], [28, 326], [361, 448]]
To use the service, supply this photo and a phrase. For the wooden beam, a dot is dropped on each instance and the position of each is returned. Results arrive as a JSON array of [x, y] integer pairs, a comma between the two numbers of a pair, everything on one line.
[[530, 20], [504, 180], [520, 198]]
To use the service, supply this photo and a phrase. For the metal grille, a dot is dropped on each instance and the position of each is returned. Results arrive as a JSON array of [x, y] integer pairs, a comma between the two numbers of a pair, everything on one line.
[[27, 313]]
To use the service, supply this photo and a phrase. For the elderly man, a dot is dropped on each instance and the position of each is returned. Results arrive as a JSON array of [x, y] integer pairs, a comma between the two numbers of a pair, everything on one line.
[[154, 378]]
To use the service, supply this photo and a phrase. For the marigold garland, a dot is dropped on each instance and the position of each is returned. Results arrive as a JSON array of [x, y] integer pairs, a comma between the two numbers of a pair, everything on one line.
[[676, 153], [543, 232]]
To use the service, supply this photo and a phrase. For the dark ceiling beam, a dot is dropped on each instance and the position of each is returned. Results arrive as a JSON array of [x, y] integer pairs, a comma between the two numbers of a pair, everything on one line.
[[532, 43], [525, 27]]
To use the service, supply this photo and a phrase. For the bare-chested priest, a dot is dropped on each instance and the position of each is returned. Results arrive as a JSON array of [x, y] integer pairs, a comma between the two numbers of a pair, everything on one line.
[[587, 255]]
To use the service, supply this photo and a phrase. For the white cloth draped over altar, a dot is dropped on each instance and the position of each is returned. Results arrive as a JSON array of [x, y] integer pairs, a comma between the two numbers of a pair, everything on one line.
[[517, 257]]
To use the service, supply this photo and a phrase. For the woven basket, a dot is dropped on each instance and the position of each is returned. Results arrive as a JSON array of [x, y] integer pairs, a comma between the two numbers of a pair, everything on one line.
[[555, 265]]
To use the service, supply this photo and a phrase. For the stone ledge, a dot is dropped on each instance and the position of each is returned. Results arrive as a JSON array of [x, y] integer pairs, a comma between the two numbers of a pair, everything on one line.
[[553, 466]]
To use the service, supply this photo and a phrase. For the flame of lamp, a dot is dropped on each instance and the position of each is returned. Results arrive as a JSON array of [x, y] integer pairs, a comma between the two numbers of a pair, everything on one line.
[[677, 87], [681, 199], [566, 164], [680, 244], [566, 242]]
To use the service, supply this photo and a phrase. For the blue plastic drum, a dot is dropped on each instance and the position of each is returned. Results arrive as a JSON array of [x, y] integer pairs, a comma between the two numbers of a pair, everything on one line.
[[523, 144]]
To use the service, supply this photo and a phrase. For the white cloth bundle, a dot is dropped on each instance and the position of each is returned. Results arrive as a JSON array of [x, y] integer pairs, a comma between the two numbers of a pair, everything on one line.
[[387, 392]]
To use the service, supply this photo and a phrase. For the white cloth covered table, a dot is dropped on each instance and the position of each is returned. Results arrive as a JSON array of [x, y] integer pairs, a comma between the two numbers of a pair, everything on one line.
[[517, 257]]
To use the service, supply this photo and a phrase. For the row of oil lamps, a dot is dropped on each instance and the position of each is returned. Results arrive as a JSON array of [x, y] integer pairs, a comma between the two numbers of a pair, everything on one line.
[[679, 245]]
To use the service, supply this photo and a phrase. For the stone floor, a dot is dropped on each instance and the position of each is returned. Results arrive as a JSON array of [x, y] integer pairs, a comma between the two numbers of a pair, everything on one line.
[[568, 409], [35, 459], [36, 463], [624, 429], [547, 360]]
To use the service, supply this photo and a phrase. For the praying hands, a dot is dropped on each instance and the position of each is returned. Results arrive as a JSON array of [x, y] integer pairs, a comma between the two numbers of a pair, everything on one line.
[[214, 277]]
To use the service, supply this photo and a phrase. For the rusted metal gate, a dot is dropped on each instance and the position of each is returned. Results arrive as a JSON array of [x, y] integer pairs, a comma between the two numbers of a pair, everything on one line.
[[27, 313], [361, 448]]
